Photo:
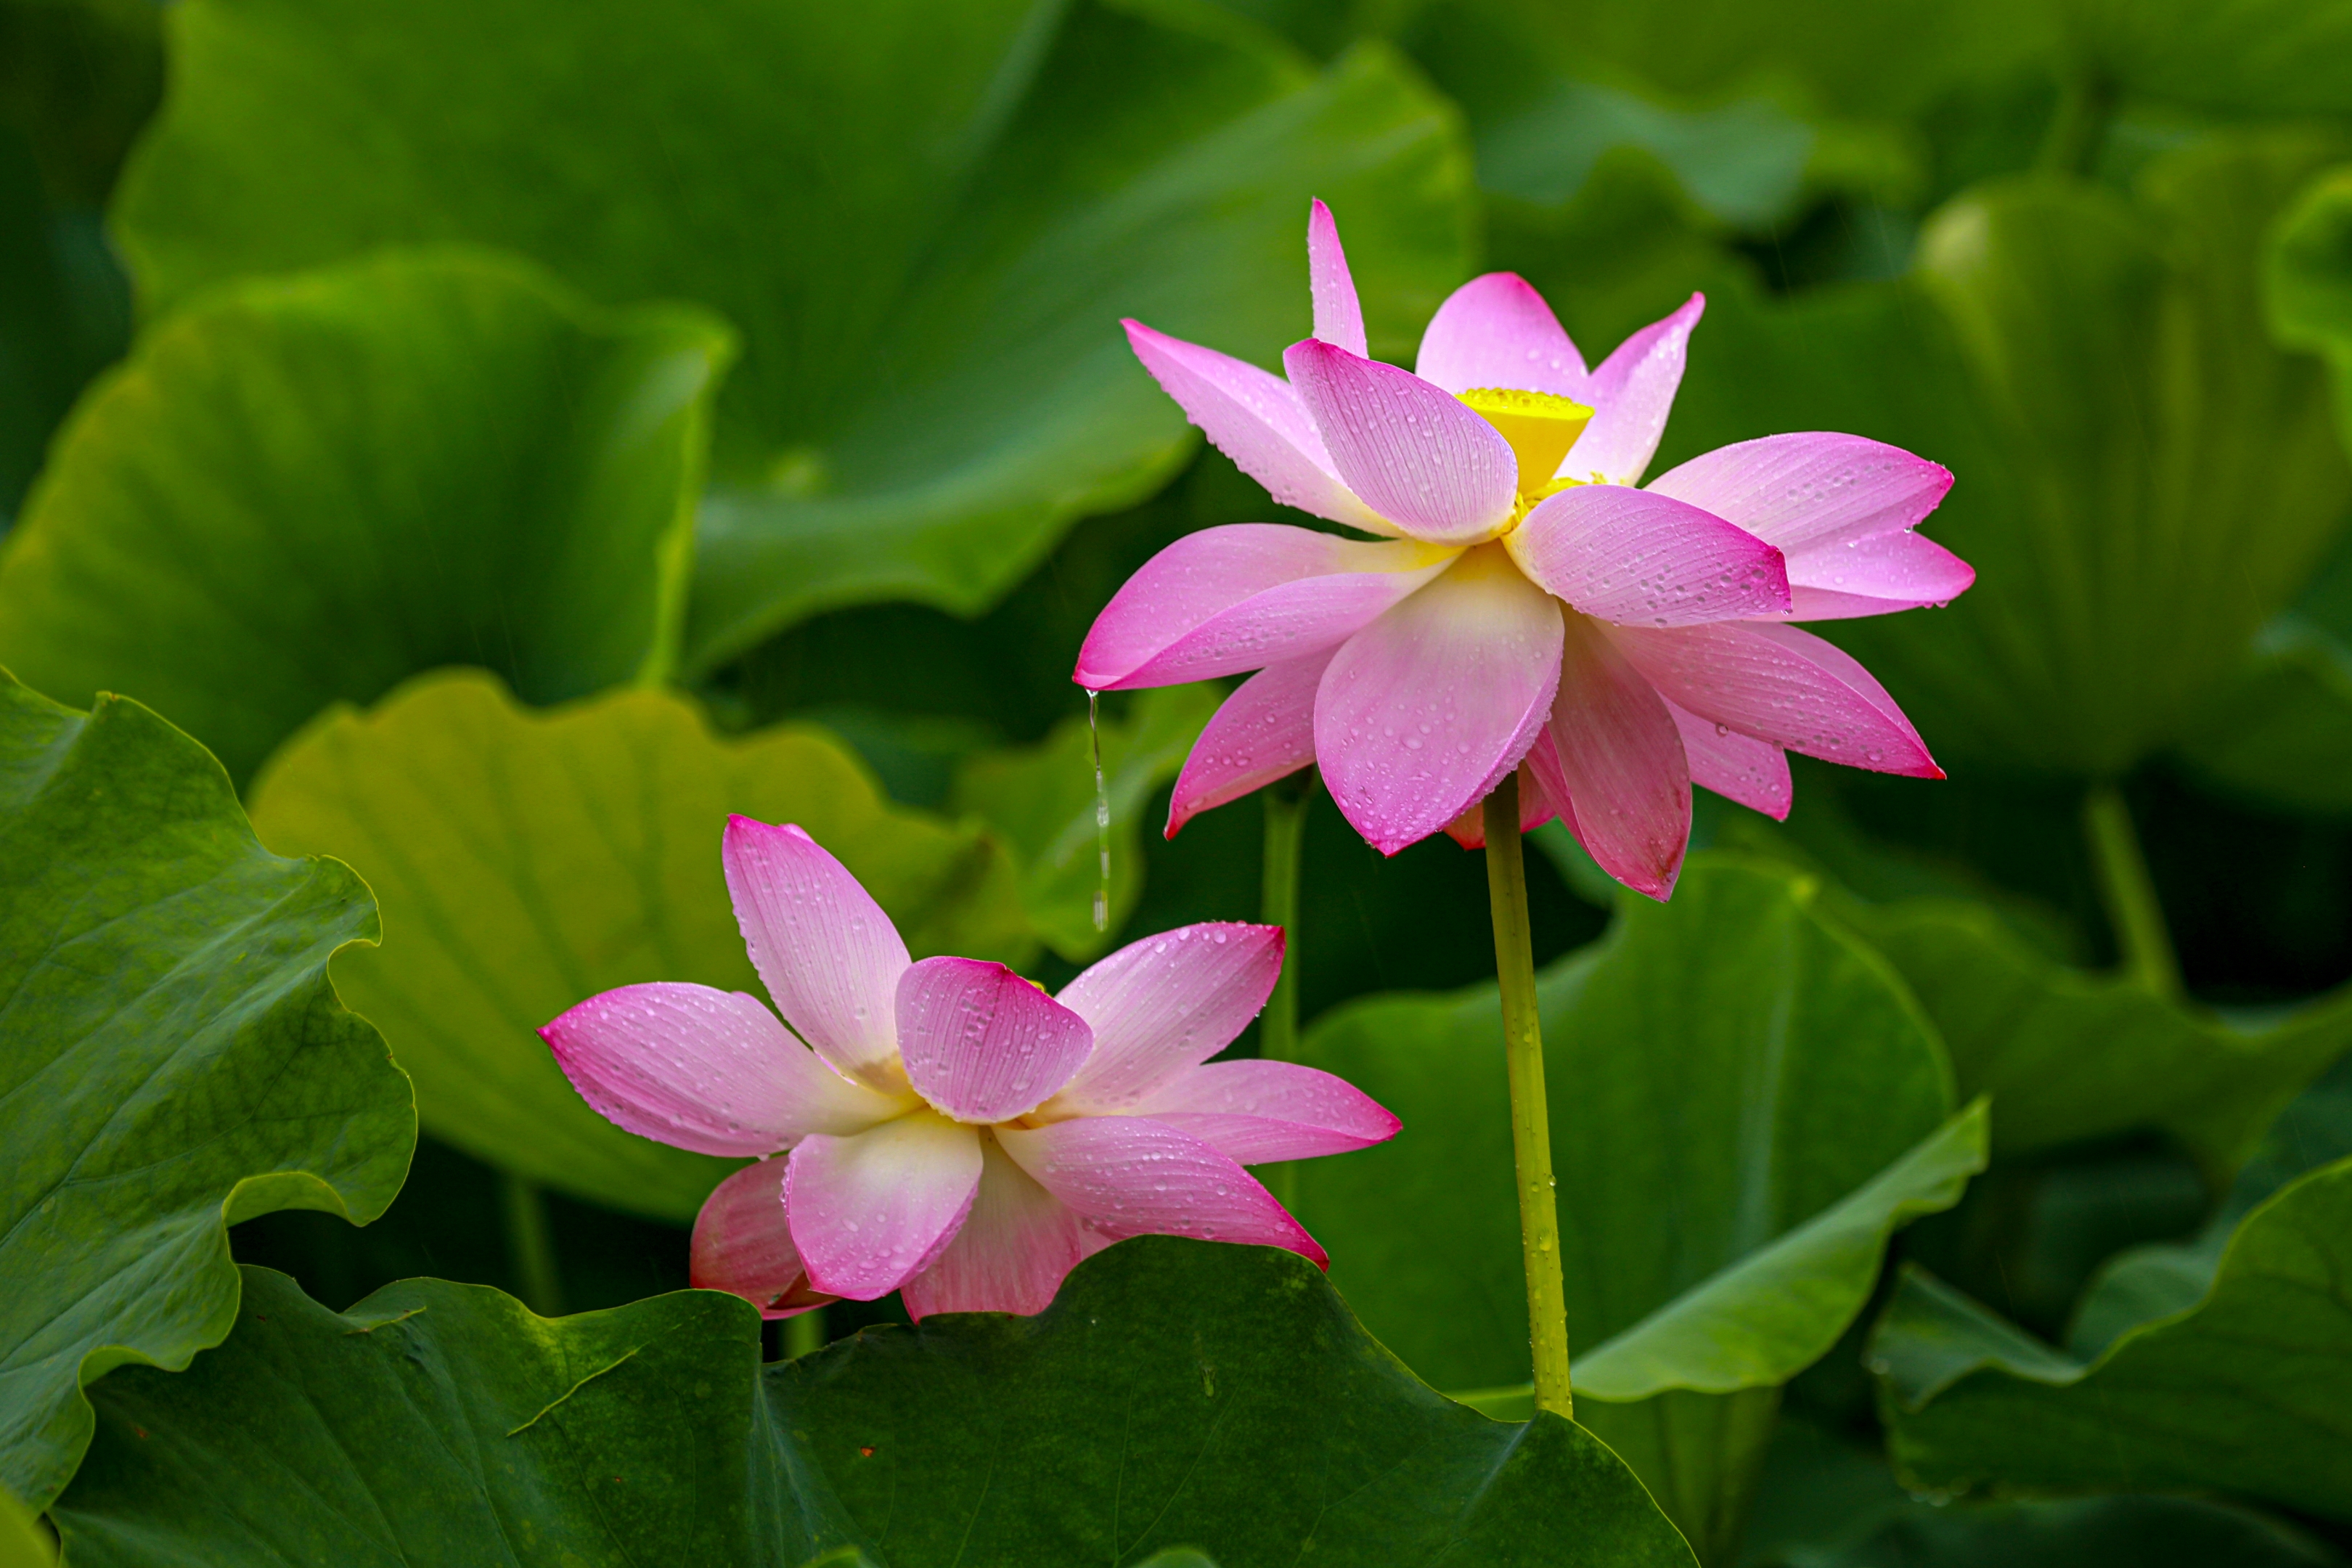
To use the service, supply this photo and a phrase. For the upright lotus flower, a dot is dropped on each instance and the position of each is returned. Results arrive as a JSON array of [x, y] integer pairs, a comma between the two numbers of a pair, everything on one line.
[[1531, 606], [954, 1133]]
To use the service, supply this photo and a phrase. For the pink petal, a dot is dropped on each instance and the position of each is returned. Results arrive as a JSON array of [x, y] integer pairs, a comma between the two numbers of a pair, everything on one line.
[[1242, 596], [1741, 768], [827, 953], [869, 1211], [1264, 732], [1812, 488], [742, 1244], [1542, 797], [1256, 419], [1253, 1111], [981, 1043], [1630, 395], [704, 1069], [1643, 559], [1338, 319], [1011, 1255], [1412, 450], [1165, 1004], [1873, 577], [1130, 1175], [1423, 710], [1621, 758], [1496, 330], [1784, 686]]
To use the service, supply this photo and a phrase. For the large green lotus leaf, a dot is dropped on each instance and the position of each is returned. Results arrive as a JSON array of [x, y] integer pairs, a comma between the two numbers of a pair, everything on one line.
[[2281, 732], [1042, 799], [927, 217], [2246, 1391], [527, 862], [23, 1543], [1745, 1102], [307, 489], [1178, 1393], [173, 1059], [2143, 480], [1827, 1501], [2249, 56], [2069, 1055]]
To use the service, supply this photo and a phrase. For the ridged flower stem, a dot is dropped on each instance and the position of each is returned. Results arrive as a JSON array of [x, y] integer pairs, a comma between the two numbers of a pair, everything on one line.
[[1285, 821], [1515, 969], [2129, 893]]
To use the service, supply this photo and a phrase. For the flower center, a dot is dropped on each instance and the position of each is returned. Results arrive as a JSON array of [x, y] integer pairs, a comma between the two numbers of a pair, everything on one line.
[[1540, 427]]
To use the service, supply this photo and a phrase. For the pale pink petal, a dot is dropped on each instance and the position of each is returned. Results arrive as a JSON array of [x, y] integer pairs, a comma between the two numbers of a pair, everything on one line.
[[1423, 710], [1338, 319], [1809, 488], [981, 1043], [1264, 732], [1012, 1253], [742, 1244], [1643, 559], [1873, 577], [1621, 757], [1784, 686], [1242, 596], [1630, 395], [1411, 450], [1542, 797], [1256, 419], [1253, 1111], [1130, 1175], [704, 1069], [868, 1211], [1165, 1004], [1496, 330], [827, 953], [1741, 768]]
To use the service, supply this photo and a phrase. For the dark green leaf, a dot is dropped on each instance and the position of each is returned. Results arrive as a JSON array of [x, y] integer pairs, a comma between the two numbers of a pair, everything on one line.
[[2245, 1391], [2069, 1055], [2285, 57], [2282, 730], [1041, 798], [926, 217], [1744, 1103], [1178, 1393], [307, 489], [173, 1059], [528, 861], [1827, 1502], [2142, 479]]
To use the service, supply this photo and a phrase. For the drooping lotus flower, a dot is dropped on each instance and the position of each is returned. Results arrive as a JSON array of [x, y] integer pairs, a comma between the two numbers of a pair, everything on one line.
[[1529, 606], [954, 1133]]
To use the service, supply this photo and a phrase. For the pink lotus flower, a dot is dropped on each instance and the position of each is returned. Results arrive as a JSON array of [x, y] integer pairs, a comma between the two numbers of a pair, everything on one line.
[[1529, 606], [955, 1133]]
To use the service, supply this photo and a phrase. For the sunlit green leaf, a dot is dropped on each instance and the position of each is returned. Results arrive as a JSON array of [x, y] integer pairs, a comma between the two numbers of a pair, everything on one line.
[[307, 489], [1179, 1394], [926, 218], [1041, 798], [1744, 1103], [173, 1059], [528, 861]]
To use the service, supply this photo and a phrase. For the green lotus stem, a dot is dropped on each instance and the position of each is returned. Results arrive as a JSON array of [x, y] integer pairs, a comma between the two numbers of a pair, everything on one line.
[[530, 1246], [2129, 893], [1515, 969], [1286, 820], [2079, 127], [804, 1335]]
